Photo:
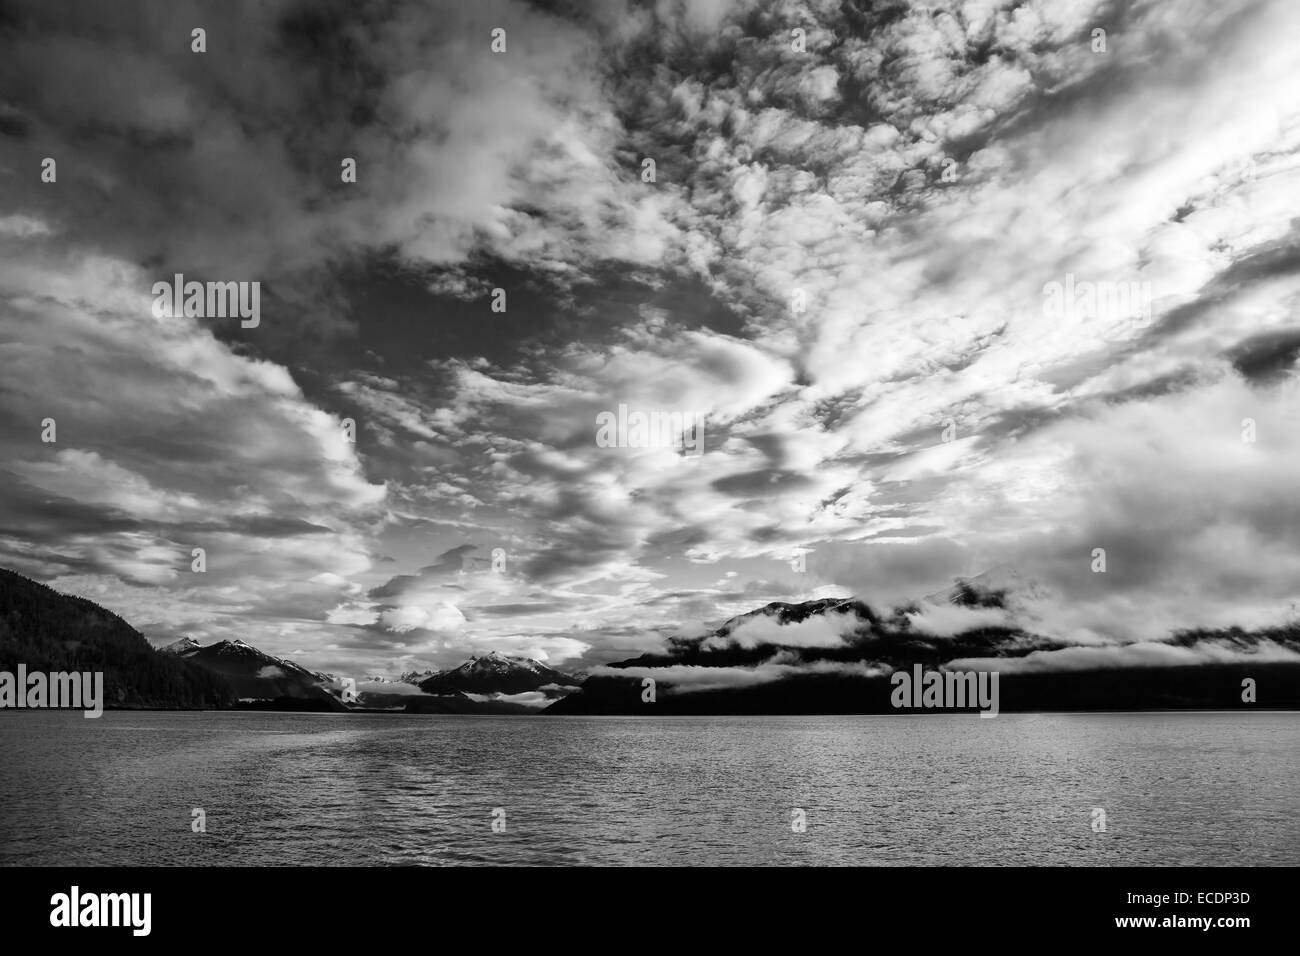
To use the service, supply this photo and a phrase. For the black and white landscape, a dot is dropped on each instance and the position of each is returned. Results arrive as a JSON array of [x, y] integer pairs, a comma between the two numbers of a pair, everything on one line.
[[422, 389]]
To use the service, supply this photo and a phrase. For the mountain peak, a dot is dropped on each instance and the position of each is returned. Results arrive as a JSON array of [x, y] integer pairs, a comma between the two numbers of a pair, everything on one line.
[[183, 646], [495, 672], [1000, 586], [786, 613], [256, 674], [498, 661], [415, 677], [236, 647]]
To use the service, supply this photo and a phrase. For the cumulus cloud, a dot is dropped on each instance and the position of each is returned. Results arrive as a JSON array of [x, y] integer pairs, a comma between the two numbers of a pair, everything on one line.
[[822, 630], [443, 617]]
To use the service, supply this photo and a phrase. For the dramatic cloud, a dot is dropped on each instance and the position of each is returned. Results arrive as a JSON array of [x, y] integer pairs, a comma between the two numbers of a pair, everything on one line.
[[851, 259]]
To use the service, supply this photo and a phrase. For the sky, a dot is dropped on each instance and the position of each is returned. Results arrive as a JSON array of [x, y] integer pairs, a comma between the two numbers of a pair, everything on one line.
[[845, 259]]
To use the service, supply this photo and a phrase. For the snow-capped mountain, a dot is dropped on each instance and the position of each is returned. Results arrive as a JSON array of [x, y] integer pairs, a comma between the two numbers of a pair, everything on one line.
[[253, 673], [180, 647], [415, 677], [497, 673], [785, 613]]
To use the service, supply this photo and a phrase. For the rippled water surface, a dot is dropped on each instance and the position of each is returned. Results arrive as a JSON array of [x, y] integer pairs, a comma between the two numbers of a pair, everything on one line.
[[288, 789]]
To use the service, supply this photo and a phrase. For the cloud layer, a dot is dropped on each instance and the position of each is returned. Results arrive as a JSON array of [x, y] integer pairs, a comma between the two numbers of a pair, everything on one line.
[[840, 262]]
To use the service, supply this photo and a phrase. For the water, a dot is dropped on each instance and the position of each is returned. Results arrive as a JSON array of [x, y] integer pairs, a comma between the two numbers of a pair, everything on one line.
[[290, 789]]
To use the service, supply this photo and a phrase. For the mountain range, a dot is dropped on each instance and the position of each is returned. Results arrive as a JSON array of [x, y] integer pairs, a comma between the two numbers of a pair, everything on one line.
[[254, 675], [48, 631], [831, 655], [496, 673], [837, 655], [481, 685]]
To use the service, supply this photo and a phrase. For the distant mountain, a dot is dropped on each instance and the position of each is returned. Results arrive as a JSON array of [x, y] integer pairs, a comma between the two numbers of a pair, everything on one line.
[[496, 673], [783, 613], [836, 656], [414, 677], [48, 631], [864, 635], [477, 686], [254, 674], [180, 647], [473, 688], [384, 693]]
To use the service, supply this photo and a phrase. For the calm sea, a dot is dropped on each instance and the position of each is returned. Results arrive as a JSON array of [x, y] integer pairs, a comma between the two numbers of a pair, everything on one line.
[[286, 789]]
